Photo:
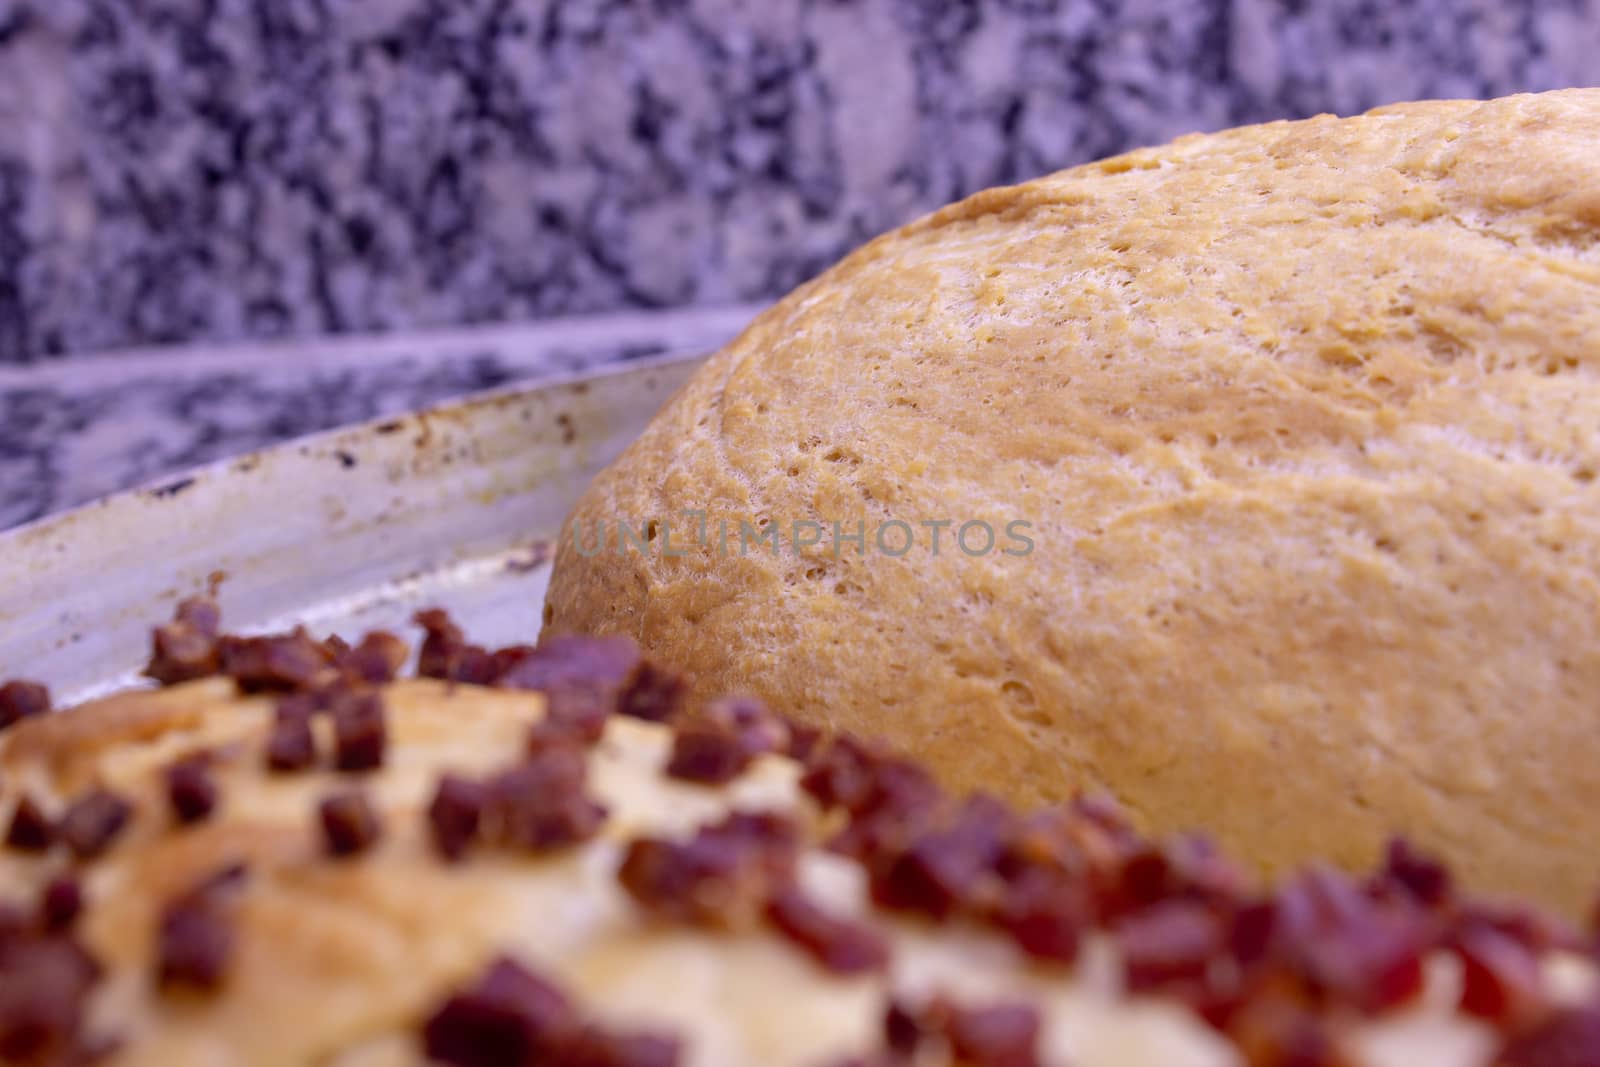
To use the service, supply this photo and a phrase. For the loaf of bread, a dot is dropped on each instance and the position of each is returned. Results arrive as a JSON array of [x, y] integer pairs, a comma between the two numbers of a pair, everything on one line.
[[1276, 454], [287, 856]]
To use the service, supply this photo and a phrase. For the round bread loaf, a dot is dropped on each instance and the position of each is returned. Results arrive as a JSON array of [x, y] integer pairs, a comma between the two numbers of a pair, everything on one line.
[[307, 862], [1303, 423]]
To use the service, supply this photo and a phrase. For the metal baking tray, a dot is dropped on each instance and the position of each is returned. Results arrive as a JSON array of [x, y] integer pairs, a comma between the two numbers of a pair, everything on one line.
[[458, 506]]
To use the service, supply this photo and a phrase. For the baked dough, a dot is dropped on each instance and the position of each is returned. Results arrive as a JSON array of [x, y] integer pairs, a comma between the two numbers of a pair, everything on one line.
[[337, 962], [1305, 418]]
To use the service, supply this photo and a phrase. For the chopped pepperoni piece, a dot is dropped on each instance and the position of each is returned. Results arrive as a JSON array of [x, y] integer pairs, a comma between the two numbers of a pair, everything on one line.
[[22, 700]]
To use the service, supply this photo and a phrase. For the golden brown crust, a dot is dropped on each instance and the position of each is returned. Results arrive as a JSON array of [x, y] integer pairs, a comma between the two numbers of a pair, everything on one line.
[[1303, 416]]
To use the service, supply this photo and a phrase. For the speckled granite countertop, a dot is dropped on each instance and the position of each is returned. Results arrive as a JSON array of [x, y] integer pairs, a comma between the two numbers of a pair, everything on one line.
[[223, 169], [208, 172]]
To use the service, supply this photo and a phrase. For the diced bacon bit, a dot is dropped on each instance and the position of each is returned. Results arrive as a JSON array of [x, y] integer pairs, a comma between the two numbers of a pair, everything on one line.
[[570, 716], [92, 823], [376, 660], [655, 694], [195, 944], [276, 662], [1569, 1038], [60, 904], [885, 797], [195, 938], [1273, 1031], [186, 648], [512, 1017], [454, 815], [1188, 867], [508, 1016], [1347, 946], [605, 664], [1538, 931], [1422, 878], [542, 803], [998, 1034], [946, 869], [446, 654], [723, 876], [46, 979], [1004, 1034], [803, 741], [902, 1029], [870, 1059], [291, 744], [1501, 980], [605, 671], [350, 824], [594, 1047], [1169, 943], [191, 789], [31, 829], [20, 699], [1045, 912], [846, 773], [717, 746], [360, 734], [843, 946]]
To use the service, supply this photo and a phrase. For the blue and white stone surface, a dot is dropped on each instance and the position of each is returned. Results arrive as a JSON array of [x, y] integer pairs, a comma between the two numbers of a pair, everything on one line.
[[202, 173]]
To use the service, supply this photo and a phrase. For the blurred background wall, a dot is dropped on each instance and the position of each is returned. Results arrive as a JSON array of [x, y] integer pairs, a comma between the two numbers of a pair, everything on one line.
[[210, 170]]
